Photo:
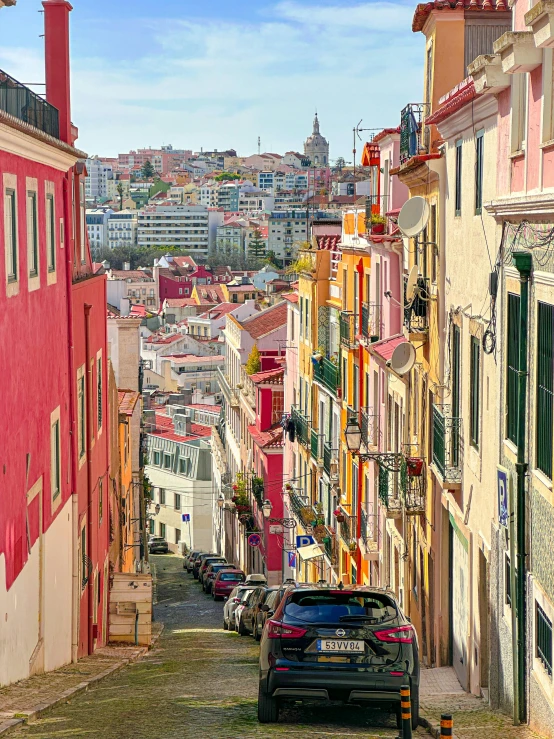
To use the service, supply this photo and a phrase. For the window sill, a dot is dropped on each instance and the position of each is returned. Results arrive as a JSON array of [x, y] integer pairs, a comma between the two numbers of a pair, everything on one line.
[[516, 154], [547, 144], [543, 479], [51, 270], [32, 274], [12, 280]]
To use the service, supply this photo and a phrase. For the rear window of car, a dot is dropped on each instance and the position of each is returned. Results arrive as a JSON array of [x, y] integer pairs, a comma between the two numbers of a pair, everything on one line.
[[335, 606], [220, 566], [231, 576]]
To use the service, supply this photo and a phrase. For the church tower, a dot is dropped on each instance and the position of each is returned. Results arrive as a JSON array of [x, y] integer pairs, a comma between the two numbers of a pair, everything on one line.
[[316, 148]]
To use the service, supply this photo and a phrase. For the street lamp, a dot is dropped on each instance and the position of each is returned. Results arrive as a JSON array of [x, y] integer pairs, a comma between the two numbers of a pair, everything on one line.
[[353, 435], [220, 501], [267, 507], [157, 508]]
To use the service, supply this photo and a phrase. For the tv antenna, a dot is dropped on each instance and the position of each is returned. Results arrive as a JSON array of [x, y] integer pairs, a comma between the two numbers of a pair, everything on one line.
[[259, 145], [356, 131]]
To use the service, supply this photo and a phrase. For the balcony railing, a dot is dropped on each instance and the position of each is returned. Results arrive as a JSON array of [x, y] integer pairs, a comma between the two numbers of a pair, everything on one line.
[[447, 444], [331, 548], [348, 529], [413, 138], [348, 329], [391, 490], [329, 457], [316, 444], [370, 531], [300, 425], [327, 374], [230, 393], [416, 313], [369, 427], [371, 321], [22, 103]]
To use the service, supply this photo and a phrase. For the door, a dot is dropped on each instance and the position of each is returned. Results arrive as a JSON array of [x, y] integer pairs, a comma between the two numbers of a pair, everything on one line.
[[459, 576], [484, 619]]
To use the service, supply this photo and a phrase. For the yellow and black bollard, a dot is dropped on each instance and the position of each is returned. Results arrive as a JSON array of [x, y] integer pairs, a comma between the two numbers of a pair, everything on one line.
[[446, 725], [406, 712]]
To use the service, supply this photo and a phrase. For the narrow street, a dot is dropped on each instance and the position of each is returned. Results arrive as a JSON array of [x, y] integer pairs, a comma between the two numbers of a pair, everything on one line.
[[199, 681]]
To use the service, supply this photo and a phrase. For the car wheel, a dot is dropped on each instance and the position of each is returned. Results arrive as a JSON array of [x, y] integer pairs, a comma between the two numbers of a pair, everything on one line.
[[268, 708], [257, 634], [216, 597], [241, 629], [225, 624]]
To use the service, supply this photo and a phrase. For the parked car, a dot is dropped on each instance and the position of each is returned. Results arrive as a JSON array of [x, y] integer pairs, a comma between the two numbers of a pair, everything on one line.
[[225, 582], [234, 600], [198, 561], [265, 609], [206, 563], [211, 572], [256, 579], [246, 615], [157, 545], [188, 561], [315, 627]]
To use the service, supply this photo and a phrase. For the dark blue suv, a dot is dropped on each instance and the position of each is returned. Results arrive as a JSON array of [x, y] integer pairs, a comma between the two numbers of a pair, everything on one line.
[[351, 644]]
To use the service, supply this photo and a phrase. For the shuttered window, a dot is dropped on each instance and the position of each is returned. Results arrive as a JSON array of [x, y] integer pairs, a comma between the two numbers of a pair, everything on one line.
[[545, 388], [512, 360], [475, 385], [50, 233], [10, 226], [32, 233], [479, 151], [458, 184], [544, 639]]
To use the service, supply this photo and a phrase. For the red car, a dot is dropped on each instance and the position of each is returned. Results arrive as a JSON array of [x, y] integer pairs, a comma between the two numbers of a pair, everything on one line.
[[225, 581]]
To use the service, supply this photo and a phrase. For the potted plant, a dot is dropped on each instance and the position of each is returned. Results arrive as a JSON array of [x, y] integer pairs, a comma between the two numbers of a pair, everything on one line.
[[352, 546], [339, 515], [378, 223]]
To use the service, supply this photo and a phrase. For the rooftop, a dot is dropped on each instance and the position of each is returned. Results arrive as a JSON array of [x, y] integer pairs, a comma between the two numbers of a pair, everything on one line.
[[272, 376], [166, 430], [386, 347], [266, 321], [424, 10], [272, 439]]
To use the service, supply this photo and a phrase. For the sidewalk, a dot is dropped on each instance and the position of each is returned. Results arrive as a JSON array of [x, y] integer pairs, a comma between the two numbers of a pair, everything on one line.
[[28, 699], [440, 692]]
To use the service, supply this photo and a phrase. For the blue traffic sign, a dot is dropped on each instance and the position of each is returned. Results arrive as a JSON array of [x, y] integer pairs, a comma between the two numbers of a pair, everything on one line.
[[304, 541], [502, 483], [185, 517], [254, 540]]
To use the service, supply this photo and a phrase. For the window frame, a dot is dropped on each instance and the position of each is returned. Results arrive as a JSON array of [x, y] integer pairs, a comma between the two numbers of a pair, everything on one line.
[[544, 390], [32, 233], [475, 391], [479, 170], [512, 354], [458, 178], [81, 414], [50, 232], [55, 458], [10, 235]]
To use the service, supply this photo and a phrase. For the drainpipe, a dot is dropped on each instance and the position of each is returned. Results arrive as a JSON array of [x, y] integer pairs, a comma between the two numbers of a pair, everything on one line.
[[359, 577], [69, 251], [90, 528], [524, 263]]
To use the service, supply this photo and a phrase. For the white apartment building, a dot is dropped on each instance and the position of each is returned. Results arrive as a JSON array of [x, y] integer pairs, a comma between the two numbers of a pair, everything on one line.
[[97, 227], [98, 176], [187, 227], [230, 238], [122, 228], [256, 201], [287, 229], [137, 285]]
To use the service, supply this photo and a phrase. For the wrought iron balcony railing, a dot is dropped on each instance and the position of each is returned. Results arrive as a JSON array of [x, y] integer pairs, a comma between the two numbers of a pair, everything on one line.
[[327, 373], [447, 444], [391, 489], [413, 136], [370, 427], [231, 396], [371, 321], [348, 329], [329, 458], [416, 313], [316, 444], [23, 103], [348, 529], [300, 425], [370, 531]]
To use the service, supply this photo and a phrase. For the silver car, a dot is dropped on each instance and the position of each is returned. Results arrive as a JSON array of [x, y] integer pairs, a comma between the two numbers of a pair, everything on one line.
[[236, 597]]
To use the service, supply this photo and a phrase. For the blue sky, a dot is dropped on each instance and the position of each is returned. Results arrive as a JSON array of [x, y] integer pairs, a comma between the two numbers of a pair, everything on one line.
[[219, 73]]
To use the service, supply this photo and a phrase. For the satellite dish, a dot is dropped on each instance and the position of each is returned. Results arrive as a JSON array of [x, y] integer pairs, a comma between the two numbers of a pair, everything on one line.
[[403, 358], [412, 283], [413, 216]]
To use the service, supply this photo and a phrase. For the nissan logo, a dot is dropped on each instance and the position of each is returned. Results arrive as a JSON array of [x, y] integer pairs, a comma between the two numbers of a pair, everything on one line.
[[340, 632]]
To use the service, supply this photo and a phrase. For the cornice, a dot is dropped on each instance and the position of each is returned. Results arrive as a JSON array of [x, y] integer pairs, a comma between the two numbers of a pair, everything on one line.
[[470, 116], [24, 143], [522, 206]]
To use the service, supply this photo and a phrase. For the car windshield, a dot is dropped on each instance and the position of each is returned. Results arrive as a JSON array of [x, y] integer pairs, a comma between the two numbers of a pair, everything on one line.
[[337, 606], [220, 566], [231, 576], [244, 596]]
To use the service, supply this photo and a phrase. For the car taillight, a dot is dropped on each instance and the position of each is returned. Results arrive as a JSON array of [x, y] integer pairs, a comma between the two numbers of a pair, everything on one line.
[[402, 634], [236, 600], [278, 630]]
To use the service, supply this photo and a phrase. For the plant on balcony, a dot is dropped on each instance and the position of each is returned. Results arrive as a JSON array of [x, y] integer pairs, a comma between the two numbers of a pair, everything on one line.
[[253, 363], [304, 263], [307, 515], [378, 223], [339, 515], [288, 487], [320, 533], [258, 489], [352, 546]]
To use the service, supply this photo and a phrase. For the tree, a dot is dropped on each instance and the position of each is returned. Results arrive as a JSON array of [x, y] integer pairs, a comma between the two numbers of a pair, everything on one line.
[[256, 247], [254, 363], [227, 176], [119, 189], [147, 170]]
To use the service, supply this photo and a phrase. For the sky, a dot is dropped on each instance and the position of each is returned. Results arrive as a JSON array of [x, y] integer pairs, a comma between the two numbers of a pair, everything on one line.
[[217, 74]]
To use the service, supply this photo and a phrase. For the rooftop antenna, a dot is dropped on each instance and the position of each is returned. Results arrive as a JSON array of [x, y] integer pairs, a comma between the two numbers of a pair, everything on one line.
[[356, 134], [259, 145]]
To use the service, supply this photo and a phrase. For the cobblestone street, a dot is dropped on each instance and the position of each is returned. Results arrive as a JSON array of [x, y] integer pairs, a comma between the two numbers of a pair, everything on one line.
[[201, 681]]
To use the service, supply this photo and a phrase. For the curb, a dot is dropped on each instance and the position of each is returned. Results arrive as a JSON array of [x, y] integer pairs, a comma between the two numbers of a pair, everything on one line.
[[431, 728], [41, 708]]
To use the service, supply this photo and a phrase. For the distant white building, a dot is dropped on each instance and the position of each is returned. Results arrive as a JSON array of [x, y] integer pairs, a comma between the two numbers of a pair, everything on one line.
[[230, 238], [98, 176], [122, 228], [187, 227], [97, 227]]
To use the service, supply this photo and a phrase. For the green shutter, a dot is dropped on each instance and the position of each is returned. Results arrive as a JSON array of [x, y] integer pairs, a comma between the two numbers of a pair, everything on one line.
[[545, 387], [475, 383], [458, 191], [479, 145], [512, 360]]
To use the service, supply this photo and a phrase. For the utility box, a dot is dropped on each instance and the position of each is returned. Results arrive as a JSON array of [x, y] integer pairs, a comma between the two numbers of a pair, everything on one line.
[[131, 608]]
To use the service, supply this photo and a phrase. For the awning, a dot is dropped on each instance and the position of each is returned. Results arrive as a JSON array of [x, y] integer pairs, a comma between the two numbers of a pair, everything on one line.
[[310, 552]]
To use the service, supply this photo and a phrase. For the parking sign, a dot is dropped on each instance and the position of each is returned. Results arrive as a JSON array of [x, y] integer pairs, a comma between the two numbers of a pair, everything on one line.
[[502, 484], [185, 517], [304, 541]]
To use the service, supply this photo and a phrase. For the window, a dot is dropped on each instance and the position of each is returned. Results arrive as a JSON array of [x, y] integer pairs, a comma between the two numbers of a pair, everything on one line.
[[177, 536], [162, 495], [434, 245], [157, 459], [474, 383], [512, 365], [544, 639], [548, 101], [177, 502], [458, 183], [356, 388], [84, 567], [81, 410], [508, 579], [162, 530], [32, 233], [182, 466], [455, 376], [479, 151], [429, 74], [167, 461], [519, 112], [345, 379], [50, 233], [151, 525], [100, 501], [545, 388], [10, 229], [55, 459], [99, 391]]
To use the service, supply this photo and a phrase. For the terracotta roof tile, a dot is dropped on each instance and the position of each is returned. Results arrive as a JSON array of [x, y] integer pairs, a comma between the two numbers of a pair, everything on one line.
[[385, 348], [423, 10], [266, 321], [126, 401], [271, 376], [272, 439]]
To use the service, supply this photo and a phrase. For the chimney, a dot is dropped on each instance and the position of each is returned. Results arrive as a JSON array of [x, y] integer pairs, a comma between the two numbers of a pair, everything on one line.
[[126, 266], [56, 47]]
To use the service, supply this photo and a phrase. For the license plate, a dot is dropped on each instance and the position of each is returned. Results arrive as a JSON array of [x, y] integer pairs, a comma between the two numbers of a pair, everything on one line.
[[340, 645]]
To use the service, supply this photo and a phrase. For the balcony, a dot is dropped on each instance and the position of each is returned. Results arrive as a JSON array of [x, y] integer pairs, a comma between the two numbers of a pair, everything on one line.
[[416, 313], [330, 464], [301, 507], [371, 321], [370, 536], [447, 447], [316, 445], [541, 20], [518, 52], [487, 74], [348, 329], [347, 529], [301, 426], [27, 106], [229, 392], [327, 373], [413, 133], [370, 428], [391, 489]]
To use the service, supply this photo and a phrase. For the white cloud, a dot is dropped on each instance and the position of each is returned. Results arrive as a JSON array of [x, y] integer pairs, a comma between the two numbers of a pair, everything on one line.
[[366, 17]]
